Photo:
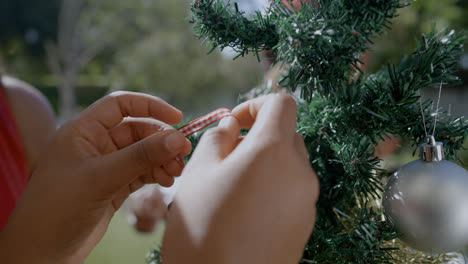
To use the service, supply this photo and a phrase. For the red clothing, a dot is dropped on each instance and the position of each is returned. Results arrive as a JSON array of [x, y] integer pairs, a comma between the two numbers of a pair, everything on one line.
[[13, 165]]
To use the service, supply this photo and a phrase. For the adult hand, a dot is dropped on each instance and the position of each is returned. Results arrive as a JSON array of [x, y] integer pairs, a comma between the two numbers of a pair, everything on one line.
[[92, 165], [249, 200]]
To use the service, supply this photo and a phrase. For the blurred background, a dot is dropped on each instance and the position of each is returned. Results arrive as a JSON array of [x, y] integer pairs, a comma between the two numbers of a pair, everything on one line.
[[76, 51]]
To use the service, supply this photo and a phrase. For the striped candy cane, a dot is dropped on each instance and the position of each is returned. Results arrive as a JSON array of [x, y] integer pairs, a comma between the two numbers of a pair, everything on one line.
[[202, 122]]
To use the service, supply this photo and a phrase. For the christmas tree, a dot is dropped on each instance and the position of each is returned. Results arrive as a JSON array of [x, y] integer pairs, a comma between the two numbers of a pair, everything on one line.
[[343, 111]]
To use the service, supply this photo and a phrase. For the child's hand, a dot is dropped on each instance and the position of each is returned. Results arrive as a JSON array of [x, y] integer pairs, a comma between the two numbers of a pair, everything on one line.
[[91, 166], [146, 208], [248, 200]]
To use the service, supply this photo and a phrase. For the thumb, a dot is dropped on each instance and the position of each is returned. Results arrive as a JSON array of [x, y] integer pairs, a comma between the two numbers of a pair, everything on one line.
[[119, 168], [217, 143]]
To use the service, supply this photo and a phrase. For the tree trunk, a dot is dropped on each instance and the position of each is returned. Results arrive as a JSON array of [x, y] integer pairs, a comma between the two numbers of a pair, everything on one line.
[[67, 107]]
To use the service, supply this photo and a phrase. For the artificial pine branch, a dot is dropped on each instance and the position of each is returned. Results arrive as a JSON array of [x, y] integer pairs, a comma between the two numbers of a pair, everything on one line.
[[224, 25], [341, 131], [320, 42], [344, 112]]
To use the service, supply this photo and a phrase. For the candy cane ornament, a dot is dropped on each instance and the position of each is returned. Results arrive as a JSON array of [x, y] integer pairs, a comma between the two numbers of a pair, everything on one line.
[[187, 130], [202, 122]]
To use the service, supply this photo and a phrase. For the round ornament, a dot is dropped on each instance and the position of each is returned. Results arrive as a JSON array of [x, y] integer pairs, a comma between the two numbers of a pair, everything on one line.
[[427, 202]]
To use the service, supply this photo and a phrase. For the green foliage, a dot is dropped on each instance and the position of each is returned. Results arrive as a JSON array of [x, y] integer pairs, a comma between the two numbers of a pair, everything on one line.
[[225, 27], [419, 17], [342, 130], [344, 111], [154, 257], [319, 44], [148, 48], [24, 25], [156, 53], [320, 40], [22, 19]]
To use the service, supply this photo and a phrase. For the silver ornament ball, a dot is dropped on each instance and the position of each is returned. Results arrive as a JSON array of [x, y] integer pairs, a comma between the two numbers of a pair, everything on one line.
[[427, 202]]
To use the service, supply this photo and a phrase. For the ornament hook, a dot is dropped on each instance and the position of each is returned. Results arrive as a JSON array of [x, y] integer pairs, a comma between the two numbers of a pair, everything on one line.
[[431, 140], [432, 150]]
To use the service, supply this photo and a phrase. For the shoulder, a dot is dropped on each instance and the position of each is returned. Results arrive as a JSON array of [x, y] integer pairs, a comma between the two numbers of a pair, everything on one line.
[[21, 93], [33, 114]]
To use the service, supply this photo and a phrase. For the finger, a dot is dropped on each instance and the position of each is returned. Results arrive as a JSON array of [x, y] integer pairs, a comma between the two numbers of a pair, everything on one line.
[[217, 143], [136, 185], [120, 196], [162, 178], [173, 168], [300, 146], [150, 208], [131, 130], [239, 140], [110, 110], [146, 223], [125, 165], [148, 178], [125, 191], [272, 115]]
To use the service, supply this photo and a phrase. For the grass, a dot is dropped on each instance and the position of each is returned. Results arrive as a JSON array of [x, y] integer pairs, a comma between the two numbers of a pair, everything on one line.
[[122, 244]]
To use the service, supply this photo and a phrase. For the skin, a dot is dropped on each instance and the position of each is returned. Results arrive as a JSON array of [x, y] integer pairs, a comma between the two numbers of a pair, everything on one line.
[[149, 210], [249, 200], [243, 201], [92, 165], [36, 129], [146, 208]]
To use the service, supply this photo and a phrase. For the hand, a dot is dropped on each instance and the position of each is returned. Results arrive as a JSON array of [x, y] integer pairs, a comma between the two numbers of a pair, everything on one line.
[[249, 200], [92, 165], [145, 208]]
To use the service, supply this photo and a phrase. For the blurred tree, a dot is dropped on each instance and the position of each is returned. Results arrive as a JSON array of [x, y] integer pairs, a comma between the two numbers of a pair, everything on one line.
[[86, 29], [169, 61], [25, 19], [143, 45], [24, 25], [419, 17]]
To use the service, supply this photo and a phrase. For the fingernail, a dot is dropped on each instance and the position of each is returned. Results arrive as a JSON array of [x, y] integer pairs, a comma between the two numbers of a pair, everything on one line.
[[174, 142], [227, 121], [180, 161]]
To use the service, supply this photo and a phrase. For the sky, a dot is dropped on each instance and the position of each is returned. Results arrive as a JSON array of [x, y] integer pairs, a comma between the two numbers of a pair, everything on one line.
[[251, 5]]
